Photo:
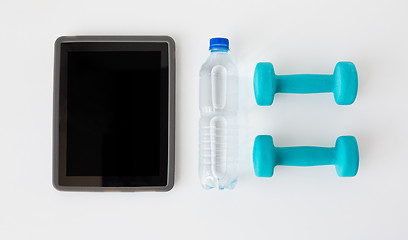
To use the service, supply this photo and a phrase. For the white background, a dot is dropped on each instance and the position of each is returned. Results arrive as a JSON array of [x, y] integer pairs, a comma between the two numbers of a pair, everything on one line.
[[296, 203]]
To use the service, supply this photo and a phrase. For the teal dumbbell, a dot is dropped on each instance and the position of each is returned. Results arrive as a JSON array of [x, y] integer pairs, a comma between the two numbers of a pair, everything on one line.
[[343, 83], [344, 156]]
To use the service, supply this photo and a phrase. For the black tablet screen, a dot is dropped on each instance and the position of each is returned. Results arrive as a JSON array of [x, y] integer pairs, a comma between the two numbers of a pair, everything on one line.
[[116, 112]]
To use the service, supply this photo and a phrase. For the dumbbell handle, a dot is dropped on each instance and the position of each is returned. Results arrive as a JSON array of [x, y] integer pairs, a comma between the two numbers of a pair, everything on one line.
[[304, 83], [305, 156]]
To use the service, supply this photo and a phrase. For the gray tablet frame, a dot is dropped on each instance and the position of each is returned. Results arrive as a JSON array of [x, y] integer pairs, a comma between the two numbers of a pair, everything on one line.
[[171, 107]]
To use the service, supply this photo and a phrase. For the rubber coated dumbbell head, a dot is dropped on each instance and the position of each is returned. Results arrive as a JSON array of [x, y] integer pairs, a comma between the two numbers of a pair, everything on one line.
[[344, 156], [264, 156], [264, 83], [345, 83]]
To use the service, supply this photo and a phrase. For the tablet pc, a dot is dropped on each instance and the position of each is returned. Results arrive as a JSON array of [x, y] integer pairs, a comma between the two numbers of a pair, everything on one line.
[[113, 127]]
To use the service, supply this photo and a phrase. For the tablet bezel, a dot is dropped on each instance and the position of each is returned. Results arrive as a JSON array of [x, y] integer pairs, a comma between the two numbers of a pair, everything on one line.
[[87, 183]]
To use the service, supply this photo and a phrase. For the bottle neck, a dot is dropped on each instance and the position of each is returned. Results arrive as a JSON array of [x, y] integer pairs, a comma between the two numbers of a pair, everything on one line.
[[219, 50]]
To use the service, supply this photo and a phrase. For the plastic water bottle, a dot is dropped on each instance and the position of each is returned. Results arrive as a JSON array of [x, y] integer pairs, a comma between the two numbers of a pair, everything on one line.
[[218, 150]]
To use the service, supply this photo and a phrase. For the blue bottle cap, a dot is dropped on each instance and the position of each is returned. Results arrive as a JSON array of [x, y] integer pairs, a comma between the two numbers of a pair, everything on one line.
[[219, 44]]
